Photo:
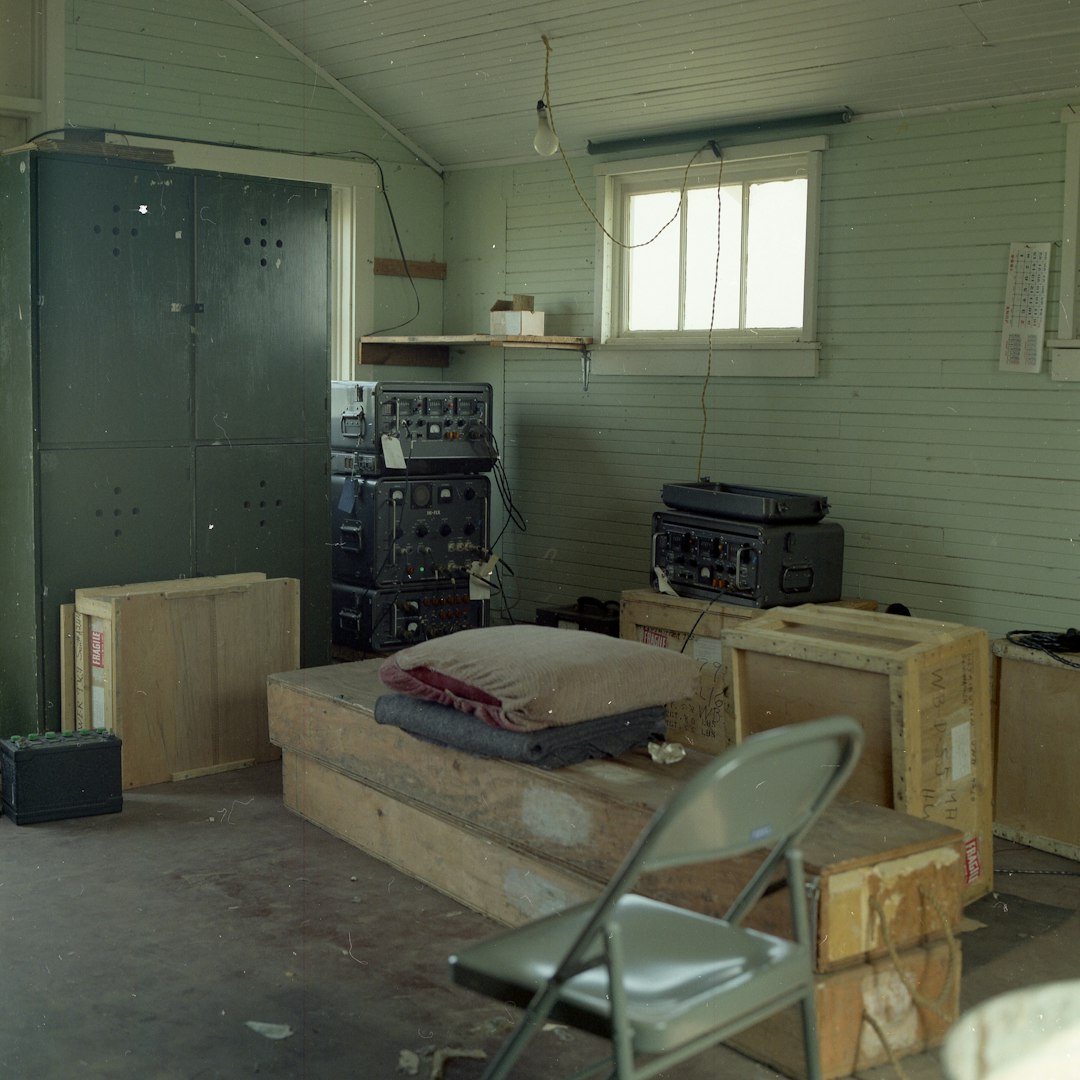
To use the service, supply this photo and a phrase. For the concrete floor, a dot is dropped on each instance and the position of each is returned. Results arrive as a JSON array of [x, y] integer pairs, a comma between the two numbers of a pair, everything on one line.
[[144, 944]]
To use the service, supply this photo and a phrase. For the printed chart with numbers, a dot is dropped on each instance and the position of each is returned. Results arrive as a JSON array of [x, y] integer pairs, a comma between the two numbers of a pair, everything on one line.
[[1023, 327]]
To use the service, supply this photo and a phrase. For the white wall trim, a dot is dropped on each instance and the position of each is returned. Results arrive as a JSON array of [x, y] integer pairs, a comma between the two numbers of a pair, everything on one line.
[[44, 108], [1070, 226], [792, 362]]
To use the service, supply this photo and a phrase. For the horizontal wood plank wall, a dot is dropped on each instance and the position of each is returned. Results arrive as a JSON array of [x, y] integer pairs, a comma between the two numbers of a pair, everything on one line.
[[958, 485], [204, 72]]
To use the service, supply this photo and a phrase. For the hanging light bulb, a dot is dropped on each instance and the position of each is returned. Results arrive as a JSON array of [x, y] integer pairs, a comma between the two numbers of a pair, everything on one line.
[[545, 141]]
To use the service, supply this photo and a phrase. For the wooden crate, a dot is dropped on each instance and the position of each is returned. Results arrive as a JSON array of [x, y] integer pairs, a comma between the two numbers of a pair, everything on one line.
[[178, 670], [705, 721], [1038, 752], [847, 1041], [921, 690], [507, 884], [415, 804]]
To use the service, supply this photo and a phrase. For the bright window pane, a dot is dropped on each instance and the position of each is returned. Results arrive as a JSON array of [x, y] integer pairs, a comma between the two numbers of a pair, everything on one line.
[[776, 252], [654, 269], [706, 217]]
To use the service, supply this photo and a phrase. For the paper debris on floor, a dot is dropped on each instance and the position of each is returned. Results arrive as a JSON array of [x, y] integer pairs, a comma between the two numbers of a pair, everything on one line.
[[270, 1031]]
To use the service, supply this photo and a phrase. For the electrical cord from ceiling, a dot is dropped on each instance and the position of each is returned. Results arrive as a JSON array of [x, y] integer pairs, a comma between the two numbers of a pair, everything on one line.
[[710, 145], [513, 517], [125, 134], [712, 323], [397, 240]]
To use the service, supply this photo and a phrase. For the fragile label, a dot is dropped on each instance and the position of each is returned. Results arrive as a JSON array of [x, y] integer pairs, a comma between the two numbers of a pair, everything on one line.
[[649, 636], [97, 648], [972, 862]]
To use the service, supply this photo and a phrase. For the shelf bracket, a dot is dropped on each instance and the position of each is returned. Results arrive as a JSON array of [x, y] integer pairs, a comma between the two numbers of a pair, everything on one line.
[[586, 366]]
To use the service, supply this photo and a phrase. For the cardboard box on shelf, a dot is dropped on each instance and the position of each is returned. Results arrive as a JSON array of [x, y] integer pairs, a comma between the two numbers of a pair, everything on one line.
[[516, 318]]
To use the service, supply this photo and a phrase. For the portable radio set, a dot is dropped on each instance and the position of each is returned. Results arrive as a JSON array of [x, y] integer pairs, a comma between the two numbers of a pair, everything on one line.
[[746, 545], [410, 509], [411, 514]]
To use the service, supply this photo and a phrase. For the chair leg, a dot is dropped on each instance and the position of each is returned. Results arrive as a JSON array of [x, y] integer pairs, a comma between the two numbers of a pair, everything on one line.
[[621, 1034], [511, 1049], [535, 1014], [810, 1036]]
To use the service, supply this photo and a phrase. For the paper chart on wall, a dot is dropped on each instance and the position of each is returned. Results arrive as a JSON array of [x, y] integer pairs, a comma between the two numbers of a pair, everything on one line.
[[1023, 327]]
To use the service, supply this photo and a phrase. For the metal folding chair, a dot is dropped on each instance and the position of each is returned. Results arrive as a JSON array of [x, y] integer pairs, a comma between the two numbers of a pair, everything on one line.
[[662, 982]]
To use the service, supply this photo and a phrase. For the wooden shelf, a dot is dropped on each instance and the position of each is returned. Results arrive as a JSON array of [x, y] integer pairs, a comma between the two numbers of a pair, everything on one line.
[[433, 350]]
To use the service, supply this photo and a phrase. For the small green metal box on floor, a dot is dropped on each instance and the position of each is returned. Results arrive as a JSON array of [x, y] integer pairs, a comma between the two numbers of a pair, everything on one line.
[[60, 775]]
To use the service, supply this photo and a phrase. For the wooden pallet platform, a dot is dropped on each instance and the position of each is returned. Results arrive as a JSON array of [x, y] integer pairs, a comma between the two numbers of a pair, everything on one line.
[[512, 840]]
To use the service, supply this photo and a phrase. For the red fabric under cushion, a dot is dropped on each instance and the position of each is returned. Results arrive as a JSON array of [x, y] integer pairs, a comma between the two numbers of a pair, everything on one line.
[[423, 682]]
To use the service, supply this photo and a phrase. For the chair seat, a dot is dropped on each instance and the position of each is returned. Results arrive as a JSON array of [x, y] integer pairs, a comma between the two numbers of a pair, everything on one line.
[[687, 973]]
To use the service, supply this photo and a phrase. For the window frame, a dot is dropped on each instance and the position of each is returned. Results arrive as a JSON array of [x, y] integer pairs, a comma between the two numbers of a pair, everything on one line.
[[617, 180]]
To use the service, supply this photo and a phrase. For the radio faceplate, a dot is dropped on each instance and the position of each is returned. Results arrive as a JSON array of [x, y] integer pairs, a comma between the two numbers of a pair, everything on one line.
[[390, 531], [412, 428], [384, 620], [746, 563]]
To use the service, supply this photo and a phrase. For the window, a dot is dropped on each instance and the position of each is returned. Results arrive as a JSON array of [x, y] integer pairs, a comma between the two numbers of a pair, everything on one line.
[[740, 256]]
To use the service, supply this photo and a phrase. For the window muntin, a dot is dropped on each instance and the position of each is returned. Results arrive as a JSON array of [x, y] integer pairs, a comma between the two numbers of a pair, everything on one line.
[[663, 292]]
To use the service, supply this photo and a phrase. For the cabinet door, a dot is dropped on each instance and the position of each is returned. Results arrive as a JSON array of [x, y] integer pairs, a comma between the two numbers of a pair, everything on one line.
[[108, 517], [114, 265], [262, 357], [263, 507], [249, 509]]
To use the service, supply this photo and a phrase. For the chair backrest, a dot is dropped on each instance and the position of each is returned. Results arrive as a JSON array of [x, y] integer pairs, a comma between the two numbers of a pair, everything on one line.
[[763, 794], [767, 790]]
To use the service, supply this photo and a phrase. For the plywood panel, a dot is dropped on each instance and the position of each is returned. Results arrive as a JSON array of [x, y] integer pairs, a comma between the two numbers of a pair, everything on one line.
[[1037, 753]]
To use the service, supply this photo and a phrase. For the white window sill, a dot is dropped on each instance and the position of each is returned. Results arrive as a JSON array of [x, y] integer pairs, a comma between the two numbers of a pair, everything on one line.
[[791, 361]]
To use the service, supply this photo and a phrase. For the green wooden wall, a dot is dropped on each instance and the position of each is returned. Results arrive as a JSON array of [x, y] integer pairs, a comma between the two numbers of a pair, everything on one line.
[[200, 70], [958, 485]]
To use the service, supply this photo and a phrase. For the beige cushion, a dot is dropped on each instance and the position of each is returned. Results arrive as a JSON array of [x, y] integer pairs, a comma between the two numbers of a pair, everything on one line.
[[528, 677]]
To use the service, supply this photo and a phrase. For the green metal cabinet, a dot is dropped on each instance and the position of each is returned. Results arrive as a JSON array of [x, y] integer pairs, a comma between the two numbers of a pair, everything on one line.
[[164, 371]]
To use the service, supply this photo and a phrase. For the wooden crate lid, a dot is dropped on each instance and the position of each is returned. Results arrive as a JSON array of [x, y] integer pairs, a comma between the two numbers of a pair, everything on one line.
[[97, 601], [854, 833], [849, 637]]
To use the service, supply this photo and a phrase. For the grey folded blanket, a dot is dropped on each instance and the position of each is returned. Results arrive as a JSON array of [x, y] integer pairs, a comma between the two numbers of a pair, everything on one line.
[[548, 748]]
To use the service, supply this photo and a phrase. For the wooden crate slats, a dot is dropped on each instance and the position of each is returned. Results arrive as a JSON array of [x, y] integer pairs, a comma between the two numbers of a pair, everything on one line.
[[177, 669], [921, 690]]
